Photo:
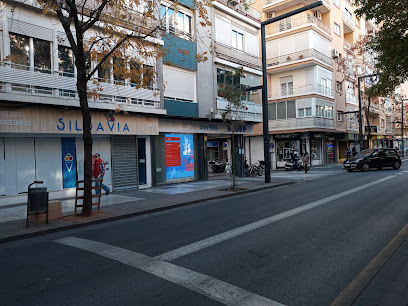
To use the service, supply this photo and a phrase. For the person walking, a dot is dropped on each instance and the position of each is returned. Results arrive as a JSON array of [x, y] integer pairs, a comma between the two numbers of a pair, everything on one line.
[[353, 151], [99, 172], [306, 161]]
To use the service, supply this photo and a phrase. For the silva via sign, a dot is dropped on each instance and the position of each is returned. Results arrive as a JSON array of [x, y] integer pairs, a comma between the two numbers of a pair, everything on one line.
[[109, 125]]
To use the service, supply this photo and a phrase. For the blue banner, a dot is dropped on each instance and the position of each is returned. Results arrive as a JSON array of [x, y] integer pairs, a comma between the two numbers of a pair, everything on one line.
[[68, 162], [179, 156]]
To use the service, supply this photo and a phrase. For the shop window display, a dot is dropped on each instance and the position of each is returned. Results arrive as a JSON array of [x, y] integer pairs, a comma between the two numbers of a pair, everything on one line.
[[315, 149]]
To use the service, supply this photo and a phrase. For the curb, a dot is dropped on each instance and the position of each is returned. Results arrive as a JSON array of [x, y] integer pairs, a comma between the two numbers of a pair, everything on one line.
[[351, 293], [130, 215]]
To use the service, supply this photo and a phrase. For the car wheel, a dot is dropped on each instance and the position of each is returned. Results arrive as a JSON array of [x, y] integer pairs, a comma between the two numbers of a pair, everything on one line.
[[396, 165], [366, 167], [350, 170]]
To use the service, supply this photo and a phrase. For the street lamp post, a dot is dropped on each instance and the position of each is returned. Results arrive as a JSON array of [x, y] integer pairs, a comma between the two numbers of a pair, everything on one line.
[[265, 116]]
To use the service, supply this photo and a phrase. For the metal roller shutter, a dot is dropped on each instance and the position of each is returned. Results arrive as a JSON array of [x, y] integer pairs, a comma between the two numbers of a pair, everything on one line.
[[124, 159]]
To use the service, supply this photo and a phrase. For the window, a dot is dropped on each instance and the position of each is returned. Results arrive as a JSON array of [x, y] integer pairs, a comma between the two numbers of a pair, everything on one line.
[[148, 76], [339, 116], [104, 73], [337, 3], [226, 77], [339, 87], [118, 67], [42, 55], [282, 110], [336, 29], [135, 74], [20, 51], [285, 24], [319, 111], [176, 22], [305, 112], [237, 41], [65, 61], [328, 112], [326, 87], [286, 86], [184, 24]]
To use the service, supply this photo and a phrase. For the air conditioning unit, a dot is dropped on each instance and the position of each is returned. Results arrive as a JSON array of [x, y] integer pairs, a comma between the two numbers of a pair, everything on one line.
[[335, 53], [318, 15], [271, 15]]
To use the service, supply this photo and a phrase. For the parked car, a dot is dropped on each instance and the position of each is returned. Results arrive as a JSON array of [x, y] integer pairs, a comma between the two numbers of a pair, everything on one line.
[[373, 158]]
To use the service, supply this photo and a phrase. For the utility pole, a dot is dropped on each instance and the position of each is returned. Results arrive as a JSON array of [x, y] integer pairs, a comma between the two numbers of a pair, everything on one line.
[[265, 114]]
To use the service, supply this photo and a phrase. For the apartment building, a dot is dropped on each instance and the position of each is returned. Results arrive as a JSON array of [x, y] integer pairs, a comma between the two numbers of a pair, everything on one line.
[[312, 82], [161, 130]]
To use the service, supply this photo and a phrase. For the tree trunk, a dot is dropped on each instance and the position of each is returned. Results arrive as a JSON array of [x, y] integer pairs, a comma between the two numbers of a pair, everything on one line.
[[368, 123], [87, 137]]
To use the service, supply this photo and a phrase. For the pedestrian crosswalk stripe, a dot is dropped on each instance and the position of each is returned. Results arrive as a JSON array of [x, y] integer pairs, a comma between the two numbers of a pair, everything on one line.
[[208, 286]]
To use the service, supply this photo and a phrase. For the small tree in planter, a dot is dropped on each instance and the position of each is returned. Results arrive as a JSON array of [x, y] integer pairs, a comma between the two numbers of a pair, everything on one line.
[[233, 113]]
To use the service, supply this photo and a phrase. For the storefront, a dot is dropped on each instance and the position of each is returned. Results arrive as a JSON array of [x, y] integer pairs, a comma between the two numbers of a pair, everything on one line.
[[183, 148], [43, 143]]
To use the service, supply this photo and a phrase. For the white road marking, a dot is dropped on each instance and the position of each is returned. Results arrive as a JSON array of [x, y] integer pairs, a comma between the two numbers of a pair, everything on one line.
[[197, 246], [210, 287]]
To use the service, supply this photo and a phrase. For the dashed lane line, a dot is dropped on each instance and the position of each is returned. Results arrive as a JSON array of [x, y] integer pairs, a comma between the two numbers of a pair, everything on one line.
[[203, 284], [197, 246]]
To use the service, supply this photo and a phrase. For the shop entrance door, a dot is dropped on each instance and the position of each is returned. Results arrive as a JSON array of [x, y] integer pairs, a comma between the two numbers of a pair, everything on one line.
[[141, 153], [124, 162]]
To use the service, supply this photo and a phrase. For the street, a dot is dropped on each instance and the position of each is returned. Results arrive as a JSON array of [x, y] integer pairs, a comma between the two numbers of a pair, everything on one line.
[[300, 244]]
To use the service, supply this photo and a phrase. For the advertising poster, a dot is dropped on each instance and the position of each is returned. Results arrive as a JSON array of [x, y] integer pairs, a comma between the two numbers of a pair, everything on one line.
[[179, 155], [68, 162]]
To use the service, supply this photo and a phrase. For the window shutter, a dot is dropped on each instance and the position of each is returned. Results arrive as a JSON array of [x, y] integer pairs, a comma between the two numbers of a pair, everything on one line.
[[28, 29]]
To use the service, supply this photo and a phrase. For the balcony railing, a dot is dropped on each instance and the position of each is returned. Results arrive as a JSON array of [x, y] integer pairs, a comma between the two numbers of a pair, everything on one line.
[[348, 19], [237, 56], [352, 126], [295, 22], [301, 123], [250, 12], [19, 79], [306, 89], [347, 44], [299, 56], [250, 112]]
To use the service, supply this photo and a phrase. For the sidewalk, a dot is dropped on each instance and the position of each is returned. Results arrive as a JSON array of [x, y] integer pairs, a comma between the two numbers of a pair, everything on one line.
[[124, 204]]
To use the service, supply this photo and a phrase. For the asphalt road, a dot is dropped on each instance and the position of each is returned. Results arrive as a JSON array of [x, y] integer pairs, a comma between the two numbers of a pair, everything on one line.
[[294, 245]]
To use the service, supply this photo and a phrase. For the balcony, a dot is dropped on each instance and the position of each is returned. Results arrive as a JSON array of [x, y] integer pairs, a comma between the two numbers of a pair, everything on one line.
[[23, 84], [347, 44], [298, 57], [352, 126], [302, 20], [302, 90], [301, 123], [251, 112], [242, 58], [250, 12], [278, 5], [348, 22]]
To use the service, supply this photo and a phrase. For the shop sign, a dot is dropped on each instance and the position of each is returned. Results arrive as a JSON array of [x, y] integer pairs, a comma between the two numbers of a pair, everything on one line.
[[68, 162], [212, 144], [56, 121], [190, 126], [179, 156], [285, 136]]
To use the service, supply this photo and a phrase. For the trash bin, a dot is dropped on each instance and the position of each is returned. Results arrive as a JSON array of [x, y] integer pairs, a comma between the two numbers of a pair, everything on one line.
[[37, 201]]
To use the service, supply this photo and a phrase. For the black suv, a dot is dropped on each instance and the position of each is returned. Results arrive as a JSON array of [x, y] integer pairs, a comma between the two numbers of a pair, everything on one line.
[[373, 158]]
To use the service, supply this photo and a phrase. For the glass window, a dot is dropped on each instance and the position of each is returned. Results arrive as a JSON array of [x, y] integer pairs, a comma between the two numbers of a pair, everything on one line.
[[301, 112], [104, 72], [337, 3], [135, 73], [148, 76], [315, 149], [65, 61], [291, 109], [42, 55], [20, 51], [237, 40], [281, 110], [336, 29], [308, 111], [272, 111], [319, 111], [228, 77], [118, 69]]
